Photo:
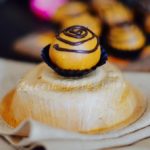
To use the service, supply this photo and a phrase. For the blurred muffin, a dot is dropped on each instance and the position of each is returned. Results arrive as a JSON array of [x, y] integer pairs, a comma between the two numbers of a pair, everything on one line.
[[113, 12], [86, 20], [70, 9], [126, 40]]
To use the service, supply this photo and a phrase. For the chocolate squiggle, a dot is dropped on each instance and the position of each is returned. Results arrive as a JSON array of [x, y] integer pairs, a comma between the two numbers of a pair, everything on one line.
[[77, 32]]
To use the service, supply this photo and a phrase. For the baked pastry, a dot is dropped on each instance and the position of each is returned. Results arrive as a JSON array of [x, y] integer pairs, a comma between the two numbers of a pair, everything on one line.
[[75, 51], [46, 9], [126, 40], [113, 12], [97, 102], [87, 20], [101, 101], [70, 9]]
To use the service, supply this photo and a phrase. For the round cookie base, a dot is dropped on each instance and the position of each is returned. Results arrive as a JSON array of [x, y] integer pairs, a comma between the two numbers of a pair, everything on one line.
[[137, 113]]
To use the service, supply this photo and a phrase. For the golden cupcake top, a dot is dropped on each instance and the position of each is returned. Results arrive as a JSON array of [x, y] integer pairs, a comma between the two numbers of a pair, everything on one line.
[[113, 12], [74, 52], [87, 20], [126, 37], [70, 9]]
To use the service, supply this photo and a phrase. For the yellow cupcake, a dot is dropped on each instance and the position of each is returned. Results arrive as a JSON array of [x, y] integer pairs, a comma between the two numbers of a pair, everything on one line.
[[69, 10], [87, 20], [76, 48], [113, 12], [127, 37]]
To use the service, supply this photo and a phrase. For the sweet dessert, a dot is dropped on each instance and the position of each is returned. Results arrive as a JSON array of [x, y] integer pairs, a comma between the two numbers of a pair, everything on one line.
[[113, 12], [75, 51], [70, 10], [87, 20], [45, 9], [126, 40], [99, 101]]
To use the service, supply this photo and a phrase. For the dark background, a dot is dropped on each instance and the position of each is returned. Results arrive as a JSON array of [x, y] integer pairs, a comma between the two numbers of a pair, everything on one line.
[[16, 20]]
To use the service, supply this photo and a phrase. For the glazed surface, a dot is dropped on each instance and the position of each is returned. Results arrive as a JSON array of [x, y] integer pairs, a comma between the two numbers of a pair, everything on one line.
[[75, 48]]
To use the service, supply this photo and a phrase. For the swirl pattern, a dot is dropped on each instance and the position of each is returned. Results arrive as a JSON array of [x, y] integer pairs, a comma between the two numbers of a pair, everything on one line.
[[76, 32], [113, 12]]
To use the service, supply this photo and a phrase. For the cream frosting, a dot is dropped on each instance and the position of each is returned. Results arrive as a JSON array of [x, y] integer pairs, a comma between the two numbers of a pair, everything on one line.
[[98, 102]]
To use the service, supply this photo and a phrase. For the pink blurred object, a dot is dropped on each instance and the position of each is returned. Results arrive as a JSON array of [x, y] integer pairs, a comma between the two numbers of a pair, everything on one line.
[[45, 9]]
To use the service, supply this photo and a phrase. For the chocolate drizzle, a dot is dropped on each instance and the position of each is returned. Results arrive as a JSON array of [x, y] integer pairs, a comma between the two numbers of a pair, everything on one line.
[[77, 32], [56, 46]]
